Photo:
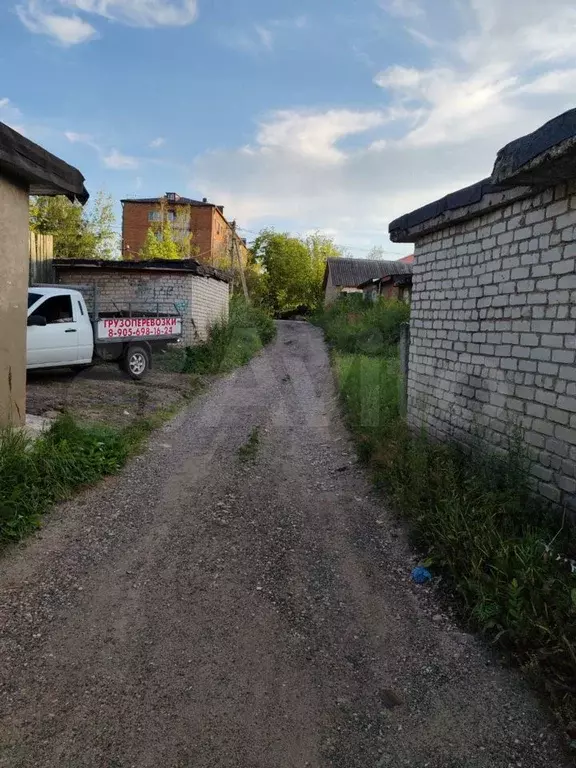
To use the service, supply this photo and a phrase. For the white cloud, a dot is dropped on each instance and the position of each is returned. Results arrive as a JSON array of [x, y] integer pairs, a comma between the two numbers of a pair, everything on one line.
[[118, 162], [156, 143], [140, 13], [404, 8], [11, 115], [66, 30], [265, 36], [112, 159], [59, 19], [260, 37], [511, 68]]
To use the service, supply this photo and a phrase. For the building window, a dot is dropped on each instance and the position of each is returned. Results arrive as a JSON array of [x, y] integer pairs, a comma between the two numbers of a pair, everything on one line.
[[171, 215], [159, 236], [154, 216]]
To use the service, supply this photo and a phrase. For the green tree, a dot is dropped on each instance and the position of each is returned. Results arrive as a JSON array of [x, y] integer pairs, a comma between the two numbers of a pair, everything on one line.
[[160, 244], [292, 268], [78, 233]]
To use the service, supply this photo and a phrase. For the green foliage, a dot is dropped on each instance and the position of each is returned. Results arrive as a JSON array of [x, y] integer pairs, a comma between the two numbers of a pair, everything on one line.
[[508, 560], [159, 244], [231, 344], [248, 451], [169, 239], [292, 269], [78, 233], [35, 475], [354, 325]]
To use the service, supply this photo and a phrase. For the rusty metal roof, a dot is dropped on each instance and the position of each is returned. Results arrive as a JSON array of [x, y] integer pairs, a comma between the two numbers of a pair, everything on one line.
[[45, 173]]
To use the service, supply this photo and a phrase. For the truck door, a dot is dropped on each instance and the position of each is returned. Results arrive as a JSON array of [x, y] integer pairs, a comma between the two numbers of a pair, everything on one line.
[[56, 343]]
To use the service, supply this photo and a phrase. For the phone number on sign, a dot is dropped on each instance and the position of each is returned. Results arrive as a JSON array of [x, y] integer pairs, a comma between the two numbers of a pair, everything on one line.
[[163, 330], [116, 328]]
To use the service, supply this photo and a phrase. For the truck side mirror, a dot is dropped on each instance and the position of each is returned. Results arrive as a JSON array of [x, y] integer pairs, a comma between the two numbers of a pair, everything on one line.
[[37, 320]]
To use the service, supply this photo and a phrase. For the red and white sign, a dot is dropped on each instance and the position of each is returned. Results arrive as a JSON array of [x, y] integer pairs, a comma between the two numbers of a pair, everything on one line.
[[129, 327]]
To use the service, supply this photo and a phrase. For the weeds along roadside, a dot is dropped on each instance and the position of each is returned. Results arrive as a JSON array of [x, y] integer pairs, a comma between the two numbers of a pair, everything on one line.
[[508, 560]]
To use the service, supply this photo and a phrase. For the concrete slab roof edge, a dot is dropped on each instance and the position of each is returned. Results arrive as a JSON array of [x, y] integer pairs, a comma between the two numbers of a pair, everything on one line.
[[190, 266], [524, 166], [43, 172]]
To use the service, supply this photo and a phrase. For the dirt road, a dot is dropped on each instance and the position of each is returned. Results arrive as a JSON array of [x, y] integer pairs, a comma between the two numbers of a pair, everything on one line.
[[245, 603]]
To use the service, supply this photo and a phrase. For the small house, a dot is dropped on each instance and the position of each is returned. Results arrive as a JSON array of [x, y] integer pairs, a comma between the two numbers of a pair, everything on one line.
[[346, 275]]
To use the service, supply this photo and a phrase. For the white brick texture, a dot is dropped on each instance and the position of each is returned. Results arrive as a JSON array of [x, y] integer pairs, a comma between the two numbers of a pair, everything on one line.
[[201, 300], [493, 331]]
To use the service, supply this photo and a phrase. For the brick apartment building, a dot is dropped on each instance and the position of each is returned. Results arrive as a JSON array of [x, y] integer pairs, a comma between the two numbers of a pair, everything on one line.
[[212, 233]]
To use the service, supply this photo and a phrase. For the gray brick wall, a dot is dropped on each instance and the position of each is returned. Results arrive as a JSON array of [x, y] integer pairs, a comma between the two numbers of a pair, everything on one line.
[[201, 300], [494, 334]]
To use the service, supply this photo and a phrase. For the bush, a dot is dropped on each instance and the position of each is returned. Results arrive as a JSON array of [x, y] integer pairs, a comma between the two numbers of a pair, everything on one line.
[[231, 344], [35, 475], [355, 325]]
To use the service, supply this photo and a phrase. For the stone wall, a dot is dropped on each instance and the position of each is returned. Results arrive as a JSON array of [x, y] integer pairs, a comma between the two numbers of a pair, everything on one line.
[[201, 300], [494, 333]]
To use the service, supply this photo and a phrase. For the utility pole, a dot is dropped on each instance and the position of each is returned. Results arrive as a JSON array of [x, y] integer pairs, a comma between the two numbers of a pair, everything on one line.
[[236, 254]]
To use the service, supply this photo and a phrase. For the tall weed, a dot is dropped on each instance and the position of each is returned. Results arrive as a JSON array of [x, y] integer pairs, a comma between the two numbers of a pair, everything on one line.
[[35, 475]]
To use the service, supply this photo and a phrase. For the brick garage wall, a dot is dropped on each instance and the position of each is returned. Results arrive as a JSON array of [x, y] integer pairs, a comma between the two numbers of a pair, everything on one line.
[[200, 299], [494, 334], [210, 302]]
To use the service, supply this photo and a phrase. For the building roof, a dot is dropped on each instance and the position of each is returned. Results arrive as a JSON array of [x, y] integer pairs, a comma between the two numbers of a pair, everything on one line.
[[190, 266], [177, 201], [45, 173], [540, 159], [353, 272], [403, 279]]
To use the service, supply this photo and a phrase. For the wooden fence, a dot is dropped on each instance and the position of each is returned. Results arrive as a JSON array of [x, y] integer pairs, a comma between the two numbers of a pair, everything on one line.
[[41, 258]]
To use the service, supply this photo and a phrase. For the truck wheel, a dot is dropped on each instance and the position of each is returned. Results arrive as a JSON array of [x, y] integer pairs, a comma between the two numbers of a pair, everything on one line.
[[135, 361]]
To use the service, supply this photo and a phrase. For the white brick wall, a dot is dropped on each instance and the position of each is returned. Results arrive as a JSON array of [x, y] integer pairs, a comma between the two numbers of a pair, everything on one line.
[[494, 334], [201, 300]]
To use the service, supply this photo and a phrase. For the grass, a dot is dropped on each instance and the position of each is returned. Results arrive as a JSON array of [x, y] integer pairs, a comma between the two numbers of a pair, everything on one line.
[[35, 475], [354, 325], [508, 561], [248, 451], [230, 344]]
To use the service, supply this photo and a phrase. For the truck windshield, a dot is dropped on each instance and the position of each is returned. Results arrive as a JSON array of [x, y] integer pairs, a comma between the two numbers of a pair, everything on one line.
[[33, 298]]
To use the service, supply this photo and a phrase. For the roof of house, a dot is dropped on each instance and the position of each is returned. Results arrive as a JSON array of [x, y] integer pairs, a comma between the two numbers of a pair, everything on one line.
[[542, 158], [156, 265], [352, 272], [177, 201], [403, 279], [45, 173]]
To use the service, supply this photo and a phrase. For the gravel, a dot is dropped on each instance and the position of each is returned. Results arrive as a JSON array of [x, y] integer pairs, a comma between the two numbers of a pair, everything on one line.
[[211, 611]]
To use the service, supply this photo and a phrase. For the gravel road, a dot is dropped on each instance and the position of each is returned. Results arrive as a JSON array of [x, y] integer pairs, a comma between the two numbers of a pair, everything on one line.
[[225, 607]]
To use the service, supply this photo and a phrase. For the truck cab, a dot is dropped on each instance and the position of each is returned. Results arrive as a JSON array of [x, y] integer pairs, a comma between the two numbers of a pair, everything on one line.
[[59, 330]]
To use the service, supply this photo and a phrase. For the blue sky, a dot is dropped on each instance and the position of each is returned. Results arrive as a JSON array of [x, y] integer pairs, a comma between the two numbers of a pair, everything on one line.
[[335, 115]]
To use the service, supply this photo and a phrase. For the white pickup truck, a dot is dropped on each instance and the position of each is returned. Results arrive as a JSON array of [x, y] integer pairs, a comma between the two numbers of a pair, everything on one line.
[[62, 332]]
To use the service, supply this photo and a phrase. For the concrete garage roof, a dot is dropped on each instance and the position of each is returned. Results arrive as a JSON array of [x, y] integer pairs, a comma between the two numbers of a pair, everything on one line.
[[531, 163], [45, 173], [190, 266]]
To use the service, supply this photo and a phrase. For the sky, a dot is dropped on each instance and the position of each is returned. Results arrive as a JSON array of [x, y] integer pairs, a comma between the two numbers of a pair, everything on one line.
[[303, 115]]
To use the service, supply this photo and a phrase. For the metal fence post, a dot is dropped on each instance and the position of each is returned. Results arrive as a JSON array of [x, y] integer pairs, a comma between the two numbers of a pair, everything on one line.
[[404, 363]]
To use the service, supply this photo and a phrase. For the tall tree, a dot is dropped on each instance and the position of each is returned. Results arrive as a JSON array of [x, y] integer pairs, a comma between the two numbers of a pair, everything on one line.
[[293, 268], [78, 233]]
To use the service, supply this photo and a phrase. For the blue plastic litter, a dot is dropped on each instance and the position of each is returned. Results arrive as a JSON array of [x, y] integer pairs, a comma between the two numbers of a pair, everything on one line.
[[421, 575]]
